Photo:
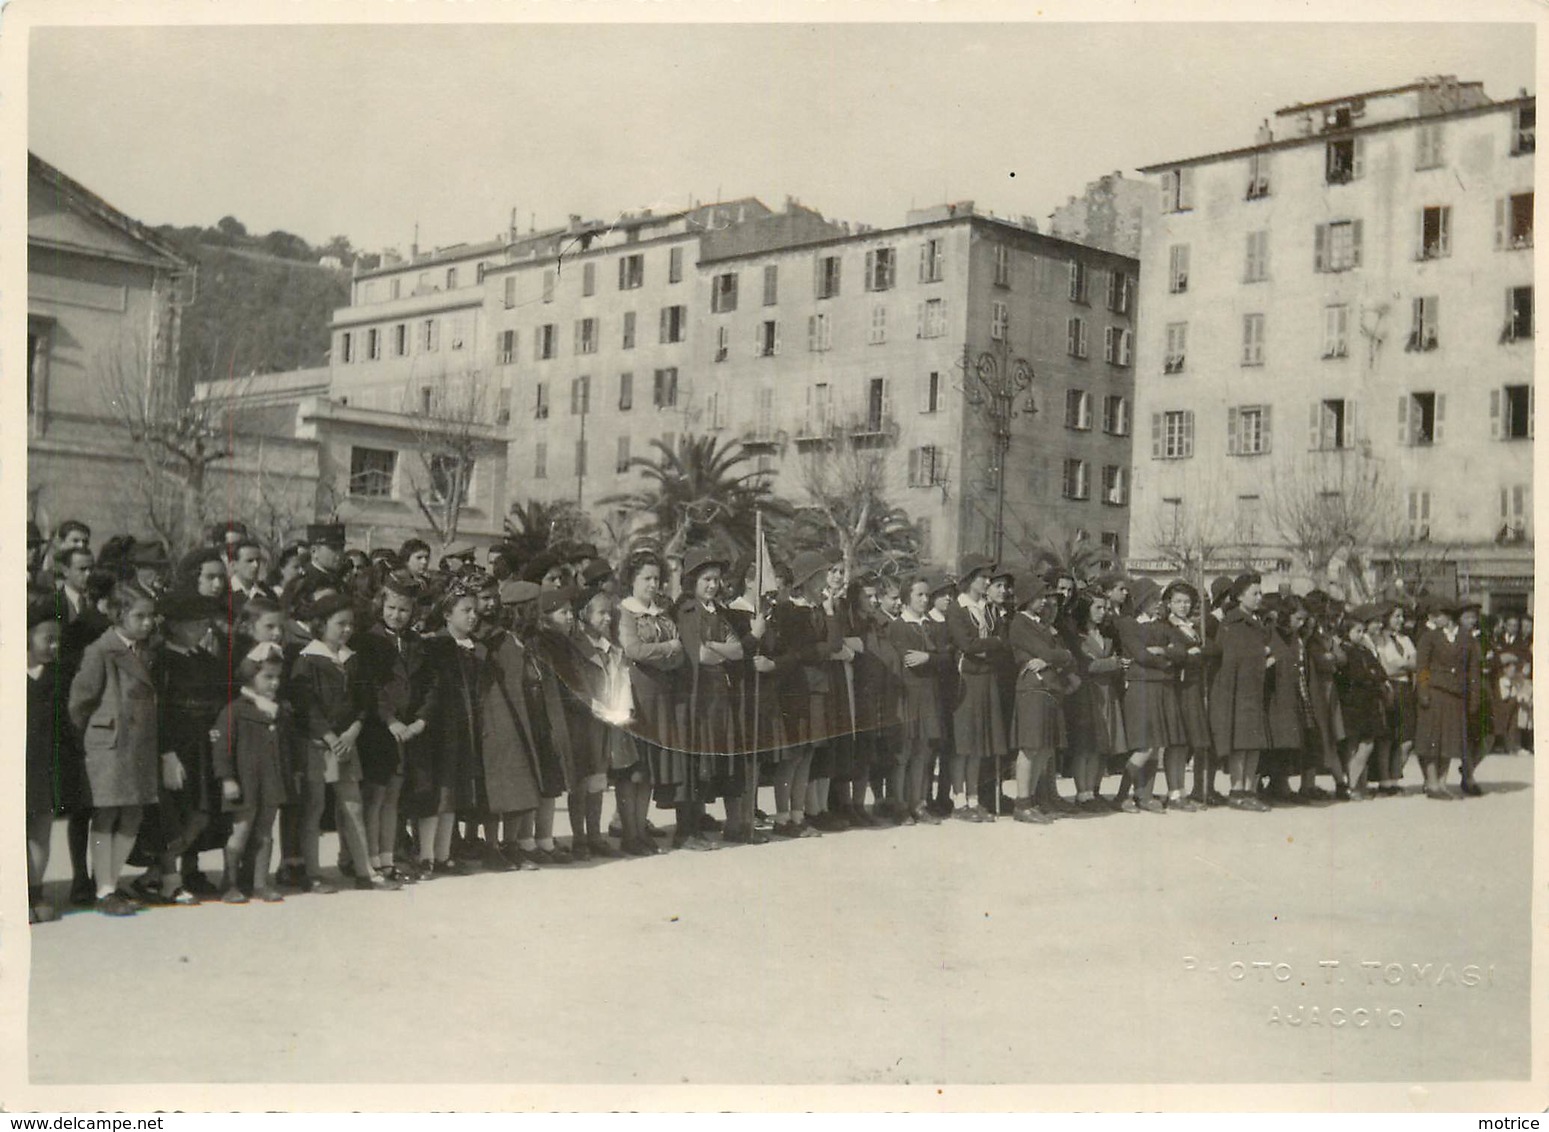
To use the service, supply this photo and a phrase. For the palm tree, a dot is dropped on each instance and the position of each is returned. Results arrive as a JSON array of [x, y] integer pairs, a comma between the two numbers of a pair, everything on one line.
[[700, 491], [532, 528], [1076, 554]]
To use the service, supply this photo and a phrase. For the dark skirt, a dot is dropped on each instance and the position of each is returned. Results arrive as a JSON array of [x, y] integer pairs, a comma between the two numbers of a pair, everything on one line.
[[1040, 722], [380, 756], [1404, 713], [1152, 715], [1365, 716], [1441, 730], [979, 725], [427, 770], [1196, 721]]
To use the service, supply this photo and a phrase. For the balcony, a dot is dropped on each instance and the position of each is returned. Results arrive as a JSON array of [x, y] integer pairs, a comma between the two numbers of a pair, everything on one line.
[[1258, 190], [1173, 363]]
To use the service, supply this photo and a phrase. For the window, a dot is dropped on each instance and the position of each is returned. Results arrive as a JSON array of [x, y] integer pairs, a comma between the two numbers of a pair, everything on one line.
[[1172, 435], [1435, 235], [503, 406], [1258, 176], [1331, 425], [714, 415], [768, 338], [510, 293], [421, 285], [626, 392], [1514, 512], [1178, 268], [723, 293], [1256, 270], [540, 408], [395, 288], [1116, 415], [664, 394], [401, 340], [771, 284], [926, 467], [723, 343], [373, 343], [1250, 510], [674, 267], [1000, 316], [763, 427], [1428, 151], [1337, 246], [1420, 418], [580, 396], [1075, 336], [580, 458], [371, 472], [1177, 347], [1422, 327], [933, 318], [1116, 345], [1120, 292], [932, 256], [548, 285], [588, 280], [430, 336], [1177, 190], [930, 392], [1511, 413], [1514, 221], [1078, 409], [1247, 430], [876, 405], [1252, 339], [827, 282], [1522, 133], [1419, 514], [1519, 314], [451, 478], [427, 399], [632, 271], [1078, 282], [455, 332], [621, 461], [1002, 265], [1074, 484], [674, 324], [451, 279], [505, 347], [878, 333], [816, 422], [540, 460], [1336, 331], [1344, 160], [347, 347], [586, 336], [819, 332], [546, 341], [1115, 485], [1110, 542], [881, 269], [629, 330]]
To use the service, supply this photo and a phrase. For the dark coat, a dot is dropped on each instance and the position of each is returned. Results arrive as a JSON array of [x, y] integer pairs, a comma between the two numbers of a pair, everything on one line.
[[1237, 693], [919, 711], [1285, 712], [404, 690], [1095, 711], [113, 710], [1039, 721], [807, 638], [257, 752], [650, 643], [1363, 694], [762, 723], [513, 729], [55, 776]]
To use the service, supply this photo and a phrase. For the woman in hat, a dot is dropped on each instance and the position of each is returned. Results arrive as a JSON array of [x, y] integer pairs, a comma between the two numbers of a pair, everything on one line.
[[713, 649], [1447, 683], [833, 756], [1363, 693], [916, 655], [1044, 675], [756, 685], [1152, 717], [1180, 601], [979, 725], [1237, 694], [1094, 712], [651, 644], [938, 780], [810, 638], [1287, 705], [1396, 652]]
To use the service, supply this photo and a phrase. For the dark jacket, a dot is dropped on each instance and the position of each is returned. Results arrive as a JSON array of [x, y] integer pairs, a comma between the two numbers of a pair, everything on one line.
[[1237, 693]]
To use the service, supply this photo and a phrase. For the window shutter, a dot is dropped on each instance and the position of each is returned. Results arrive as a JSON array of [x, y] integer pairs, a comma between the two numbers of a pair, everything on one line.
[[1070, 335], [887, 400], [1081, 326], [1315, 426], [1357, 158], [1403, 419], [812, 332], [1505, 505], [1444, 229], [1495, 415], [1169, 190], [1156, 436], [1233, 423], [1530, 411], [1320, 248], [1188, 432], [919, 320], [1440, 419], [1247, 337], [1266, 424], [664, 324], [1126, 350], [777, 336], [1352, 424], [871, 270], [1500, 223], [1185, 188], [914, 467], [1420, 232], [1355, 243]]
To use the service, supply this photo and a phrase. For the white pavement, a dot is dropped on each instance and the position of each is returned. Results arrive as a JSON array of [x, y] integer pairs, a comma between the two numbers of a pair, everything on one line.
[[1138, 948]]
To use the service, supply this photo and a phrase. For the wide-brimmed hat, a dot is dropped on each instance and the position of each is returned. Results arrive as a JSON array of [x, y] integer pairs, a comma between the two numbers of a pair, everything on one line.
[[1242, 583], [701, 557], [1220, 587], [1027, 587], [937, 581], [148, 554], [186, 605], [1141, 593], [1180, 586], [515, 591], [972, 564], [555, 598], [808, 564]]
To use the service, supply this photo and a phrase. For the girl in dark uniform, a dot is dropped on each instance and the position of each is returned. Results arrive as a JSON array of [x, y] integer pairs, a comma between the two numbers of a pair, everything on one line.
[[979, 725], [1237, 693], [1095, 711], [1363, 693], [756, 684], [713, 648], [49, 747], [1396, 651], [1044, 668], [1152, 717], [649, 638], [253, 756], [812, 640], [917, 659], [446, 769]]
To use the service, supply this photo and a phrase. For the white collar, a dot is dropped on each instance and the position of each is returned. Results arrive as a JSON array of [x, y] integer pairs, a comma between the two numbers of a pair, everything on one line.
[[128, 644], [802, 603], [742, 604], [263, 703], [912, 618], [968, 602], [464, 642], [1143, 619], [632, 604], [35, 671], [317, 648], [937, 616]]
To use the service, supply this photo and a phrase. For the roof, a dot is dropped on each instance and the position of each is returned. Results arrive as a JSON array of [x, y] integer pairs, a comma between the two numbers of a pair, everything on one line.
[[90, 203], [1335, 135], [1418, 84]]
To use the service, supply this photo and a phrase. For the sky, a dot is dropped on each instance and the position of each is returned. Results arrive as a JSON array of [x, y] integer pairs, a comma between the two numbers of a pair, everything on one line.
[[367, 131]]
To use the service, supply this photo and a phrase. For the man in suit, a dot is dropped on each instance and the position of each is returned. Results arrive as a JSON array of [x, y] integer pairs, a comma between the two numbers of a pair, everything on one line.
[[244, 560], [323, 567]]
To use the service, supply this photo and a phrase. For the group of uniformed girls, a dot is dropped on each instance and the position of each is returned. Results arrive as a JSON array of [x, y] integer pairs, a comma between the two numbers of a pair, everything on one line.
[[446, 721]]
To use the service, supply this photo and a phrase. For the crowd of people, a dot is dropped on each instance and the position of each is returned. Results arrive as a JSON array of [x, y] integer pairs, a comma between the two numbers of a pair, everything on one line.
[[219, 702]]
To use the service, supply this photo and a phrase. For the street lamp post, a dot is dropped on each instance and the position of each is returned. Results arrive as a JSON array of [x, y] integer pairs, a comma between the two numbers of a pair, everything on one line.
[[1001, 389]]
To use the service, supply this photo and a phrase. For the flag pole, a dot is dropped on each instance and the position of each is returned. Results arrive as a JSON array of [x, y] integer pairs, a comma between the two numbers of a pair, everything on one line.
[[758, 610]]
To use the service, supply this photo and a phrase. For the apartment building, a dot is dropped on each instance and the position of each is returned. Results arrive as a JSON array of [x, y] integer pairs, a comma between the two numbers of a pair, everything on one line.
[[1343, 311]]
